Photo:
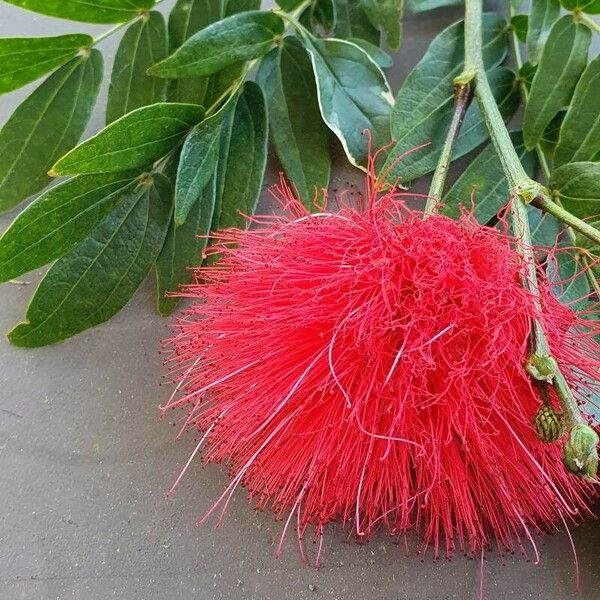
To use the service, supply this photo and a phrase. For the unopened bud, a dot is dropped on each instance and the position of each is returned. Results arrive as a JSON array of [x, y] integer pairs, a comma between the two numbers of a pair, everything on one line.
[[541, 367], [580, 453], [549, 424]]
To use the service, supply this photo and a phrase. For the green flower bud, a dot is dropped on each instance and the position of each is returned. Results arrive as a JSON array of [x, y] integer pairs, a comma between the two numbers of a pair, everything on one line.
[[549, 424], [580, 453], [541, 367]]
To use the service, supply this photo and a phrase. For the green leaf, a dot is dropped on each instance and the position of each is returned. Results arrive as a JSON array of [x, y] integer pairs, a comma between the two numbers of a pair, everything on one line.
[[433, 129], [593, 248], [320, 18], [222, 166], [58, 219], [289, 5], [542, 15], [569, 284], [578, 187], [218, 45], [429, 86], [591, 7], [386, 15], [25, 59], [562, 61], [579, 138], [352, 22], [242, 159], [47, 124], [221, 82], [233, 7], [299, 135], [135, 140], [484, 180], [544, 227], [144, 43], [591, 403], [550, 137], [186, 18], [198, 161], [526, 73], [183, 249], [520, 25], [87, 11], [419, 6], [377, 55], [353, 95], [100, 274]]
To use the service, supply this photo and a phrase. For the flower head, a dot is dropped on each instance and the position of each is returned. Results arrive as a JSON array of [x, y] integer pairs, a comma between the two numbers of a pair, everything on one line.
[[368, 366]]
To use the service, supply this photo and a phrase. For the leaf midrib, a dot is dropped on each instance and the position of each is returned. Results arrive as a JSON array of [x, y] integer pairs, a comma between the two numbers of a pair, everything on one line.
[[143, 25], [132, 262], [46, 106], [344, 89], [127, 150], [590, 130], [64, 224], [127, 11], [58, 58], [85, 272], [567, 63]]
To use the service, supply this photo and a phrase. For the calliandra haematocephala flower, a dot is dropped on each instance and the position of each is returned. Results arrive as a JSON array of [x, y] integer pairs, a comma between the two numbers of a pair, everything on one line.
[[366, 366]]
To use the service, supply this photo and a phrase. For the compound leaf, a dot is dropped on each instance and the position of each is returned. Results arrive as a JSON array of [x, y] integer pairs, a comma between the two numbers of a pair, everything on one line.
[[100, 274]]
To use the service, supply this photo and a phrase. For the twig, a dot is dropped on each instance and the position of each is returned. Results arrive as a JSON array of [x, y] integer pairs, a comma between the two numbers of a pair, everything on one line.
[[541, 366], [463, 94]]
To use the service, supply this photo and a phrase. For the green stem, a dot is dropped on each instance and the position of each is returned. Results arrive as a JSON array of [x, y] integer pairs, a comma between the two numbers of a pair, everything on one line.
[[232, 89], [291, 18], [297, 12], [109, 32], [588, 21], [489, 109], [543, 162], [143, 14], [463, 94], [548, 205], [520, 221], [541, 366]]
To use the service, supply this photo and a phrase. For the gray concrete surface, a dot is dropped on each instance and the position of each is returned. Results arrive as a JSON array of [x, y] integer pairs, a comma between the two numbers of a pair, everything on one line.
[[84, 463]]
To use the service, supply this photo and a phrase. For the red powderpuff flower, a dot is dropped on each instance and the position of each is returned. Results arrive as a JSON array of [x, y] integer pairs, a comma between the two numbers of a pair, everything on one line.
[[367, 367]]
